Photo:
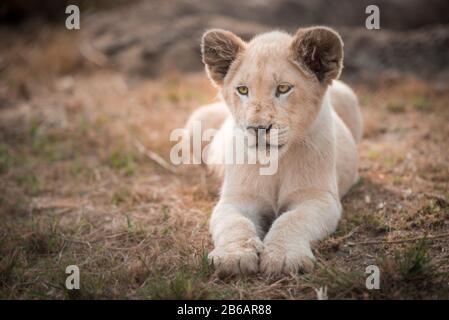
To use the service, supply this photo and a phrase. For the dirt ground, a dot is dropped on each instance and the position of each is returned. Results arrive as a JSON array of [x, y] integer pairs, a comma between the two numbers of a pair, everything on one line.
[[77, 187]]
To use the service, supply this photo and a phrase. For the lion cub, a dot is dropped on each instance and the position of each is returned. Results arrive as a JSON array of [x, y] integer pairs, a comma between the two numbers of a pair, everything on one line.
[[286, 83]]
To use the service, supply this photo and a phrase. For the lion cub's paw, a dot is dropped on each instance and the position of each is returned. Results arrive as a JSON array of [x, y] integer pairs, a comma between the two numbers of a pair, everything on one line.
[[275, 260], [236, 258]]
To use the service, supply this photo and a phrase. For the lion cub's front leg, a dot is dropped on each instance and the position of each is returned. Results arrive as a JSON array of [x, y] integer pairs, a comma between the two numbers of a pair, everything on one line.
[[237, 245], [287, 244]]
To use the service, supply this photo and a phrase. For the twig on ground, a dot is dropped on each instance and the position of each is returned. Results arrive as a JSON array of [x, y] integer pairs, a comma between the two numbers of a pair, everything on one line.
[[363, 243], [155, 157], [337, 241], [87, 243], [346, 236]]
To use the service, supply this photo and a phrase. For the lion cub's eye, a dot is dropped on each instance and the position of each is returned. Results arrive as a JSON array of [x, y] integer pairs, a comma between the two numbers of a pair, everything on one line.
[[283, 88], [243, 90]]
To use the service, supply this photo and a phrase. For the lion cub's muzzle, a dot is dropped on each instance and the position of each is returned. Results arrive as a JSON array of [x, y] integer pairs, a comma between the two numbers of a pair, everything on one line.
[[263, 136]]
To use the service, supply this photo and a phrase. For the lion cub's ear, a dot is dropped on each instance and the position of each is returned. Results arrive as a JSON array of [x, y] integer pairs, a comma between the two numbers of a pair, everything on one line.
[[219, 49], [319, 50]]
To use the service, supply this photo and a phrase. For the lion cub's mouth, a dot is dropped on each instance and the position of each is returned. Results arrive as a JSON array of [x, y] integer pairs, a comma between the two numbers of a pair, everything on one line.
[[267, 145]]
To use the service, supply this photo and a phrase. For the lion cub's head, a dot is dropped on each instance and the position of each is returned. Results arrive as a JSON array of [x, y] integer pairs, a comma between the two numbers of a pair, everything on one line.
[[275, 81]]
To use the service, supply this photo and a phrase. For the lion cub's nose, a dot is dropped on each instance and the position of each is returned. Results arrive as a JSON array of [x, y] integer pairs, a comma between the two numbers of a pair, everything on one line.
[[260, 127]]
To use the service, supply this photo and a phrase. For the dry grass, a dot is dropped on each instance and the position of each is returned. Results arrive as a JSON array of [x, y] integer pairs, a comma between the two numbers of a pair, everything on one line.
[[75, 190]]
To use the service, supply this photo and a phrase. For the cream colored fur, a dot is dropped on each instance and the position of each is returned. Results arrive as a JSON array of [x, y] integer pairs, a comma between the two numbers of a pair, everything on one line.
[[268, 223]]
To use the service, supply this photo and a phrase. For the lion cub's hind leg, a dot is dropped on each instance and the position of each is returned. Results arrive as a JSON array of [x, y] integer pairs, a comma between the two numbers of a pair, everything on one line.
[[345, 103]]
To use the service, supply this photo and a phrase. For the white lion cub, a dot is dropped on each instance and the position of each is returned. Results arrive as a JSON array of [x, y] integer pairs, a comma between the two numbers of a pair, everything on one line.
[[286, 83]]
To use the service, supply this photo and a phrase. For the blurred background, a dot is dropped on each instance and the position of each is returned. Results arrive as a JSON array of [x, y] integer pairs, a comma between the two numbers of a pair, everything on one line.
[[148, 37], [85, 176]]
